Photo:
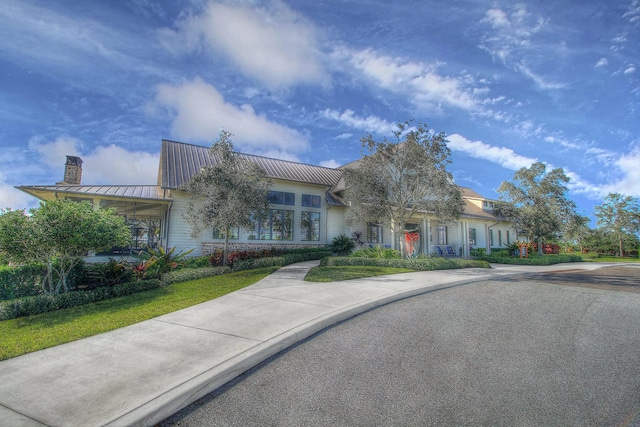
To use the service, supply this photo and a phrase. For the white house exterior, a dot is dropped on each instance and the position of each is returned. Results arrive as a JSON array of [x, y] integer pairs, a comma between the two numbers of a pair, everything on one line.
[[307, 209]]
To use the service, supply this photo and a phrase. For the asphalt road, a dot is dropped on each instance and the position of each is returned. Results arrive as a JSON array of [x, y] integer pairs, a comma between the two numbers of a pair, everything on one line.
[[561, 348]]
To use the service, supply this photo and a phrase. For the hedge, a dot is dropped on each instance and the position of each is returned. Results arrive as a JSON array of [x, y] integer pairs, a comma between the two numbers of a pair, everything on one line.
[[418, 264], [533, 260], [28, 306], [279, 261], [187, 274]]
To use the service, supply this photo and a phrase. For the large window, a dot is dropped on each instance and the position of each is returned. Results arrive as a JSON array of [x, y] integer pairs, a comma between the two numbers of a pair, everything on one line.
[[278, 225], [281, 198], [499, 237], [490, 238], [232, 233], [508, 242], [374, 233], [472, 236], [441, 234], [310, 226], [311, 201]]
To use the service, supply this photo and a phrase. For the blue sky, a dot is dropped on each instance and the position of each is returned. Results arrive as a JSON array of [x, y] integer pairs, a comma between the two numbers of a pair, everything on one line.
[[509, 83]]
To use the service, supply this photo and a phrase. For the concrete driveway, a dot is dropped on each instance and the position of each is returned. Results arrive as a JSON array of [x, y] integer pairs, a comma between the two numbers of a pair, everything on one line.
[[555, 348]]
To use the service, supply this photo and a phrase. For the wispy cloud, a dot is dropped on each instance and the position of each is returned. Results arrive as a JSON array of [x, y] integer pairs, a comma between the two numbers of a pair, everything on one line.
[[271, 43], [421, 83], [511, 41], [367, 124], [602, 62], [502, 156], [198, 111]]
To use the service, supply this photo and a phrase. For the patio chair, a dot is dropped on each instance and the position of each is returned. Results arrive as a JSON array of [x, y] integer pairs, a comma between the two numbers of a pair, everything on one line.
[[450, 251], [439, 251]]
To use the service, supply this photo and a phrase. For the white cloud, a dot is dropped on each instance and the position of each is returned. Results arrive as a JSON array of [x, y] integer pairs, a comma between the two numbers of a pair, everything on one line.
[[13, 198], [630, 70], [271, 44], [367, 124], [502, 156], [199, 111], [104, 165], [421, 83], [602, 62], [332, 163]]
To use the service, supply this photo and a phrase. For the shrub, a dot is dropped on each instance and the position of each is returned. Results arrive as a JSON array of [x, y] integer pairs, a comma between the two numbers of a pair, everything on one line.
[[419, 264], [196, 262], [186, 274], [279, 261], [376, 252], [532, 260], [110, 273], [28, 306], [17, 282], [342, 244], [156, 262]]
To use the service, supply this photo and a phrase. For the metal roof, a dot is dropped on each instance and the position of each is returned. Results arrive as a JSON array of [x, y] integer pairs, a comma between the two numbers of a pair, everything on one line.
[[149, 192], [179, 162]]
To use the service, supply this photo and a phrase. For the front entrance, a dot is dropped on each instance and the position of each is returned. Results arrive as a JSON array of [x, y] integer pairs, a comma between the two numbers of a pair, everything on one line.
[[412, 241]]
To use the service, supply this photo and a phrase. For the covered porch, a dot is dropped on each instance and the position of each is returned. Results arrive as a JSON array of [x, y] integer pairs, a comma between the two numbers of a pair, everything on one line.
[[144, 207]]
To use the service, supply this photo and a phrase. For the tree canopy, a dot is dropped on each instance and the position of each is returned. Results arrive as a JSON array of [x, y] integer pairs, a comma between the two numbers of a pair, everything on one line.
[[402, 179], [57, 234], [537, 202], [230, 193], [620, 215]]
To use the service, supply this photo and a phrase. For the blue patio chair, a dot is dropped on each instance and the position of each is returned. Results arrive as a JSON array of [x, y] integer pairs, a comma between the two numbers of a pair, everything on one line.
[[450, 251], [439, 251]]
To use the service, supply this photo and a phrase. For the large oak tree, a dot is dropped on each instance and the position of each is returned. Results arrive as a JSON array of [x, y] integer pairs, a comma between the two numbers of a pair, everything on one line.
[[402, 179], [537, 202]]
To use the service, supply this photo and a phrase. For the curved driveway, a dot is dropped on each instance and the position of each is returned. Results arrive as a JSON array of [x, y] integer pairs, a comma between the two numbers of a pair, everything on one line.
[[526, 350]]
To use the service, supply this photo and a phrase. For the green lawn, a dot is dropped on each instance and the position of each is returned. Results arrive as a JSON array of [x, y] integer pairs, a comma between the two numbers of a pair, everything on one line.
[[26, 334], [610, 259], [337, 273]]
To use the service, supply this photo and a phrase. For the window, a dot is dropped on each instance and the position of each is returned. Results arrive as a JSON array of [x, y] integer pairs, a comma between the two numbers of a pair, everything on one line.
[[508, 237], [310, 201], [491, 238], [441, 234], [278, 225], [472, 236], [499, 237], [233, 233], [310, 225], [374, 233], [281, 198]]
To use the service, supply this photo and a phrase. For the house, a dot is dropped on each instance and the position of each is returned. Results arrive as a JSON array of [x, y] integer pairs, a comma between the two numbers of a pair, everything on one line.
[[306, 209]]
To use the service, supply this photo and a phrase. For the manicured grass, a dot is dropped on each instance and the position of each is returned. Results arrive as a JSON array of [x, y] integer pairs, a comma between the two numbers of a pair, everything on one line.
[[337, 273], [26, 334], [610, 259]]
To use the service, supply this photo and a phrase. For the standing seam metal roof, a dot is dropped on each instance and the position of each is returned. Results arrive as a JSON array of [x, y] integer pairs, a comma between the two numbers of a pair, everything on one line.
[[180, 162]]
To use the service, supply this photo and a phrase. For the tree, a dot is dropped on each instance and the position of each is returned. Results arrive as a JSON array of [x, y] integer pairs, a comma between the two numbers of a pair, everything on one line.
[[619, 214], [58, 234], [402, 179], [230, 193], [575, 230], [536, 201]]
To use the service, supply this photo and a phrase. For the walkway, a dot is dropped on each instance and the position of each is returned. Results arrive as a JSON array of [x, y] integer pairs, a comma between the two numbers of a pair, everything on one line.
[[141, 374]]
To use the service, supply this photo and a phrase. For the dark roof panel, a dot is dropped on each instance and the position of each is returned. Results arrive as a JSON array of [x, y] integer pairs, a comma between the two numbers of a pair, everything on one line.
[[180, 162]]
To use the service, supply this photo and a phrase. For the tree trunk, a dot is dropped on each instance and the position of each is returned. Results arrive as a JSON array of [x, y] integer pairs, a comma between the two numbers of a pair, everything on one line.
[[225, 248], [621, 247], [540, 251]]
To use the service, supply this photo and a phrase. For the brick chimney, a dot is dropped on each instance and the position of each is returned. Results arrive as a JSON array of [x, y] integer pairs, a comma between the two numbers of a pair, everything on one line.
[[72, 171]]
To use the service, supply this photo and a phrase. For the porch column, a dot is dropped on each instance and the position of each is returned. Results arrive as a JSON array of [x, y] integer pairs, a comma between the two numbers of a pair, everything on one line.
[[487, 240], [393, 236]]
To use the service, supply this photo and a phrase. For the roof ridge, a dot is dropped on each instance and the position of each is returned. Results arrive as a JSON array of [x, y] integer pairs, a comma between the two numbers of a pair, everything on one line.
[[258, 156]]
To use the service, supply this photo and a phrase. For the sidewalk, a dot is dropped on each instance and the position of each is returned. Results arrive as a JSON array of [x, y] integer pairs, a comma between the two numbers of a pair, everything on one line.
[[143, 373]]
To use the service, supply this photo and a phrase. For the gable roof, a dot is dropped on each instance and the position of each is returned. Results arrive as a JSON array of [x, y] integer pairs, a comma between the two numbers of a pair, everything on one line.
[[179, 162]]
